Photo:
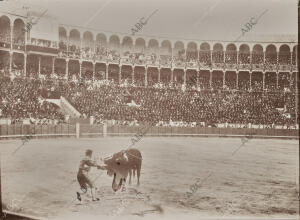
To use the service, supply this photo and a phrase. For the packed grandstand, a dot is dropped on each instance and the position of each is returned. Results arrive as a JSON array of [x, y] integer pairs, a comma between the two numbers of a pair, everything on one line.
[[132, 80]]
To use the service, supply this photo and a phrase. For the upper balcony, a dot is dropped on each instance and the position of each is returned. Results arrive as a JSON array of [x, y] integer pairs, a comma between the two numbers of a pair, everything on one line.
[[204, 65], [42, 46], [245, 66], [257, 67], [192, 65], [270, 67], [152, 62], [126, 61], [113, 59], [231, 66], [218, 66], [284, 68]]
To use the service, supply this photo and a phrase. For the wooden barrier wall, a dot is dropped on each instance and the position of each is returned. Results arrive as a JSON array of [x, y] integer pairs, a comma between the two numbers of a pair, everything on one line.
[[10, 131]]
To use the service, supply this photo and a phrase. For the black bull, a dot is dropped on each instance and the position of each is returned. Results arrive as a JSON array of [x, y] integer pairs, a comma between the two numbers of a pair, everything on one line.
[[123, 163]]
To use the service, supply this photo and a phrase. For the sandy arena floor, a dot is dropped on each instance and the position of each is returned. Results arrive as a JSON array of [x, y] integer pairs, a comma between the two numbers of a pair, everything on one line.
[[259, 180]]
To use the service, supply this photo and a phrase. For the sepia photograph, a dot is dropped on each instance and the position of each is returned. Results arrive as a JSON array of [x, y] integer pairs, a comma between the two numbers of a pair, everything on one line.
[[149, 109]]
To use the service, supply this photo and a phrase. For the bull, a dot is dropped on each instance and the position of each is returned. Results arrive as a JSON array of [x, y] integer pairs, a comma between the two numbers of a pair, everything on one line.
[[120, 164]]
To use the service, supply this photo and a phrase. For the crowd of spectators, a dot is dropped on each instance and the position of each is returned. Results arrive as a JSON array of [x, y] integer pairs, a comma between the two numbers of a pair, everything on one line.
[[217, 81], [209, 99], [111, 102], [105, 100], [220, 59], [244, 58], [205, 59], [21, 99], [4, 42]]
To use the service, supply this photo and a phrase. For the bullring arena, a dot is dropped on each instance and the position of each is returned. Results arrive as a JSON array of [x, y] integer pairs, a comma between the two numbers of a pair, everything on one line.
[[216, 121], [260, 180]]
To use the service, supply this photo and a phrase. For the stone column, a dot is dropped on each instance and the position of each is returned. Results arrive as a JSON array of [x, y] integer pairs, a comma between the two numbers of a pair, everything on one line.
[[146, 76], [67, 68], [94, 70], [237, 80], [277, 79], [106, 71], [210, 79], [10, 61], [80, 49], [25, 64], [68, 41], [120, 73], [264, 76], [132, 74], [224, 75], [53, 66], [11, 36], [250, 80], [158, 75], [80, 69], [39, 71]]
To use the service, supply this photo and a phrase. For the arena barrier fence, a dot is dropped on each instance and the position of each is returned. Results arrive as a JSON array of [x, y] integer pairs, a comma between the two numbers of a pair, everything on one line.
[[18, 130], [203, 132], [86, 130]]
